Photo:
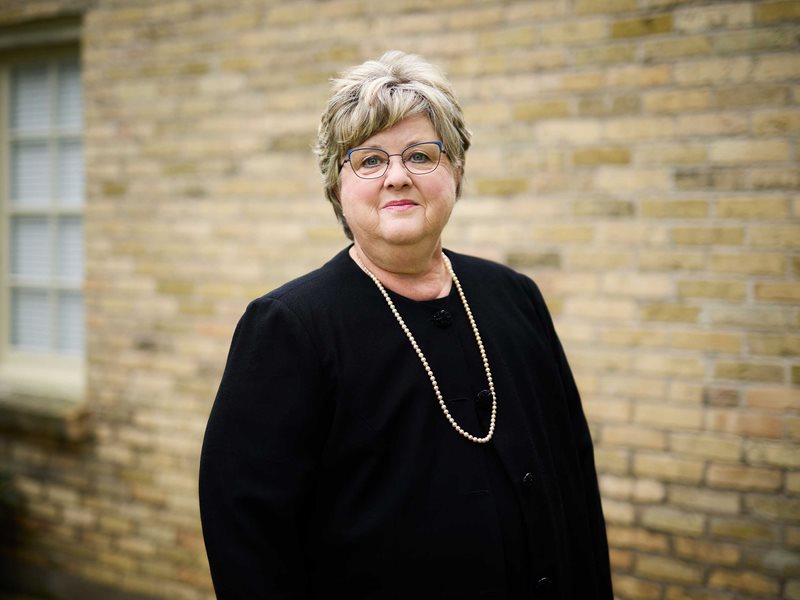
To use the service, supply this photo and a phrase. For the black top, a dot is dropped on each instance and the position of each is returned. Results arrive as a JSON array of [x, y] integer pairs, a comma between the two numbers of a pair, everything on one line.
[[328, 468]]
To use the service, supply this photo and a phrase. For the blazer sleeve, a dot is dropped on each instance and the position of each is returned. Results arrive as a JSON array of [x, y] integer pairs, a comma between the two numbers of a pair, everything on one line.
[[259, 456], [598, 586]]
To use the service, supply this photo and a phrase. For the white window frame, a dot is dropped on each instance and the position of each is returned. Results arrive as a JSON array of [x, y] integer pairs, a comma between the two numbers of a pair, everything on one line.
[[27, 376]]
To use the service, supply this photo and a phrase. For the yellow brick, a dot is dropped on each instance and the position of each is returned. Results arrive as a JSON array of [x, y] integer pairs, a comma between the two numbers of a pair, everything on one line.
[[705, 445], [776, 121], [714, 70], [707, 501], [707, 552], [604, 6], [744, 581], [597, 259], [751, 95], [748, 424], [672, 520], [641, 26], [669, 365], [486, 112], [564, 233], [703, 18], [673, 313], [744, 371], [601, 155], [630, 180], [707, 341], [668, 416], [775, 454], [638, 76], [523, 37], [501, 187], [746, 530], [633, 437], [612, 460], [748, 151], [778, 399], [712, 288], [650, 260], [569, 131], [780, 236], [612, 53], [474, 18], [675, 101], [717, 123], [672, 153], [603, 208], [635, 337], [707, 236], [636, 285], [772, 12], [580, 31], [668, 569], [639, 128], [739, 477], [672, 48], [750, 41], [749, 264], [681, 391], [613, 310], [775, 291], [752, 207], [776, 67], [607, 410], [637, 538], [674, 209], [757, 317], [631, 587], [536, 110]]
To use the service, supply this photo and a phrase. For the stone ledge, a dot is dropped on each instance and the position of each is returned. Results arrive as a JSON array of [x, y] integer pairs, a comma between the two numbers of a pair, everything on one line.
[[50, 416]]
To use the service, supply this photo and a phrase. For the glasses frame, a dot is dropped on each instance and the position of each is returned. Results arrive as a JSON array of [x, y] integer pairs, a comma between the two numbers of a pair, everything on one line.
[[400, 154]]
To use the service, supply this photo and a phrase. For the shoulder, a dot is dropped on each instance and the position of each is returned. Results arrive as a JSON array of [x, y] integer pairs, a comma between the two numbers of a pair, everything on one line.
[[491, 273], [312, 291]]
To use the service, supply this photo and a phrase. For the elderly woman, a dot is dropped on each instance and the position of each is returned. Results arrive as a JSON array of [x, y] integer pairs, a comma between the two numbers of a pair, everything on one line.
[[401, 422]]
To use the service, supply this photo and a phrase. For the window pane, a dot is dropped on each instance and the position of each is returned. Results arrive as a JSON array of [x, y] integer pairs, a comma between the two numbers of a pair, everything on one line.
[[70, 322], [70, 248], [70, 111], [30, 247], [30, 320], [30, 174], [70, 173], [30, 98]]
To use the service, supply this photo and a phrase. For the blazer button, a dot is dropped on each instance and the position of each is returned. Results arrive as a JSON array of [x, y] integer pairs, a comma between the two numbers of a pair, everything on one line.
[[527, 481], [484, 399], [443, 318], [543, 588]]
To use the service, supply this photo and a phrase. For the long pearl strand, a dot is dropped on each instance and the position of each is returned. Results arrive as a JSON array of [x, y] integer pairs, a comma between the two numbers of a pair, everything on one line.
[[424, 361]]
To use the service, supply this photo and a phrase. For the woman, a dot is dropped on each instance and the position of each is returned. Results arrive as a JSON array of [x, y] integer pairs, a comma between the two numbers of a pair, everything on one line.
[[402, 422]]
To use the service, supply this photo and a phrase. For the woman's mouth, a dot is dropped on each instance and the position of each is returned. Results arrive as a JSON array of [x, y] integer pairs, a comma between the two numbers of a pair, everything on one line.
[[398, 205]]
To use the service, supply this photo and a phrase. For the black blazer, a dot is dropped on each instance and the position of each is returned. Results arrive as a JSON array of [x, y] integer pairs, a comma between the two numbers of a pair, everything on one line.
[[329, 470]]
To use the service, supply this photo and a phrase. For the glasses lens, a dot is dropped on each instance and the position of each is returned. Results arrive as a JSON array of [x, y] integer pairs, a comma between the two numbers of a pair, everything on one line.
[[369, 162], [422, 158]]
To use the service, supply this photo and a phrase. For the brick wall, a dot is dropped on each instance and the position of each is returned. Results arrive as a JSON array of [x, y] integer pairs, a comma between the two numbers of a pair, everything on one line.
[[638, 158]]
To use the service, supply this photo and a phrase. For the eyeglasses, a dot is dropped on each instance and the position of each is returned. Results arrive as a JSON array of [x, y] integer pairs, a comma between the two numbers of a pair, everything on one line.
[[372, 163]]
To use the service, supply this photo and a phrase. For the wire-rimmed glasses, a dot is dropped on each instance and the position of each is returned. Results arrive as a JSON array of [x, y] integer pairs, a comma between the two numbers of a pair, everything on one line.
[[372, 163]]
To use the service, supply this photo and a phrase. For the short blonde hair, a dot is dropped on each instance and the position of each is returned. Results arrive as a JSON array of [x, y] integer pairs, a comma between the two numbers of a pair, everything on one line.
[[376, 95]]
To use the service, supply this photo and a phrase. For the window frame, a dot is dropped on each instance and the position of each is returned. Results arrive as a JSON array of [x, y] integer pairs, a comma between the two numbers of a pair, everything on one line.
[[34, 379]]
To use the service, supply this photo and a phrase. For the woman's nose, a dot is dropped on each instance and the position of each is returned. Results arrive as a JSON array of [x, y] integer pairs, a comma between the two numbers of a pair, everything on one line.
[[396, 173]]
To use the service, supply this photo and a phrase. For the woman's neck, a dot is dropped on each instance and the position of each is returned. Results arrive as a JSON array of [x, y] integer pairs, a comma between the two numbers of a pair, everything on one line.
[[411, 272]]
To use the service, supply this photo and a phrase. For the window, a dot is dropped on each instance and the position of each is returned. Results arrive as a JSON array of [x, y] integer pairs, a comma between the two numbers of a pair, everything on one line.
[[42, 332]]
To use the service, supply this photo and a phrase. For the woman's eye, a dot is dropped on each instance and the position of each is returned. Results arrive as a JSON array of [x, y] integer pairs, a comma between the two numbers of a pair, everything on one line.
[[418, 157], [372, 161]]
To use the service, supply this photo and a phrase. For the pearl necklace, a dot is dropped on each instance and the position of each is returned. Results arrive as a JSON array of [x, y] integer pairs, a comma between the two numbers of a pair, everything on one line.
[[424, 361]]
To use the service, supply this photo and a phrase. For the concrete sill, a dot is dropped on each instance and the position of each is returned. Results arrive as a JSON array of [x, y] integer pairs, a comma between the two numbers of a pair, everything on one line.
[[40, 415]]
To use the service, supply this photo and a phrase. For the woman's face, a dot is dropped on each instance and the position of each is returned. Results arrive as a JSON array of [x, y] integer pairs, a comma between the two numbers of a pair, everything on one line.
[[399, 208]]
